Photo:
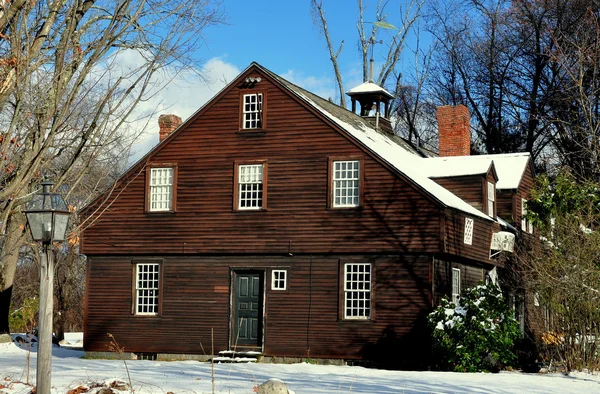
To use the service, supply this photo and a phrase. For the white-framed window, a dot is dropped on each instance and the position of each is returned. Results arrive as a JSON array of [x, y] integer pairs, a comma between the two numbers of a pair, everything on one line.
[[468, 236], [526, 225], [252, 117], [536, 299], [279, 280], [491, 198], [250, 186], [146, 288], [455, 285], [161, 189], [357, 291], [346, 183]]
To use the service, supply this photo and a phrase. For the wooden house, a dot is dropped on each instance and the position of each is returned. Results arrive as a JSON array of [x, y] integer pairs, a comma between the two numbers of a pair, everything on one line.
[[275, 221]]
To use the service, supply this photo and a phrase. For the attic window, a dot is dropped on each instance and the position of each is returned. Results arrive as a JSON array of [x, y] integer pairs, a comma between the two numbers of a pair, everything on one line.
[[491, 198], [252, 111], [526, 224]]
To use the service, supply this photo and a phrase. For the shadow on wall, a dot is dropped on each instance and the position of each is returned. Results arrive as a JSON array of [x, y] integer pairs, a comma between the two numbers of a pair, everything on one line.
[[402, 352]]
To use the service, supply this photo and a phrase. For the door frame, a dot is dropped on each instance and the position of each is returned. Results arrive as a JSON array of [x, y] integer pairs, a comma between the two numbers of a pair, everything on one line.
[[234, 271]]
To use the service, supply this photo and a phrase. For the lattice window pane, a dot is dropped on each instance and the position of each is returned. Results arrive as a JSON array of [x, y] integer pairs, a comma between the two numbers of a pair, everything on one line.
[[346, 183], [357, 291], [147, 286], [250, 181], [252, 114], [161, 189], [468, 237], [455, 285], [278, 281]]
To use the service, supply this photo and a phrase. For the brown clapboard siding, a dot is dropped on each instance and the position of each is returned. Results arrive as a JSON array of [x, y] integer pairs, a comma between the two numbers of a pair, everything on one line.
[[302, 321], [394, 215], [468, 188], [482, 236], [470, 276], [505, 205]]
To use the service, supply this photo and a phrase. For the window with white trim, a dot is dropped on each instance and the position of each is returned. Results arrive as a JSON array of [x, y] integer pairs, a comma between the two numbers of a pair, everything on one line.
[[250, 186], [455, 285], [278, 280], [526, 224], [357, 291], [491, 198], [252, 117], [161, 189], [468, 236], [346, 183], [146, 288]]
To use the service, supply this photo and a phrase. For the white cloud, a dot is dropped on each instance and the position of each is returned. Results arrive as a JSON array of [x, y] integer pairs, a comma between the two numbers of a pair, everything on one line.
[[321, 86], [183, 96]]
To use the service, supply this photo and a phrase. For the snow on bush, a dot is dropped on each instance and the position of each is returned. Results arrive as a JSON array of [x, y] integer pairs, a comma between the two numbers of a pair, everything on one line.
[[477, 334]]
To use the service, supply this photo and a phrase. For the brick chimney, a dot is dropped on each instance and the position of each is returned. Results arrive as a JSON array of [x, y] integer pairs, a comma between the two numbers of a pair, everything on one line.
[[454, 130], [166, 124]]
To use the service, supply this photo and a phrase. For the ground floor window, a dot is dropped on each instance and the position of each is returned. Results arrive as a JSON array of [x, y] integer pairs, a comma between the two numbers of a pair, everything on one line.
[[278, 280], [455, 285], [146, 288], [357, 291]]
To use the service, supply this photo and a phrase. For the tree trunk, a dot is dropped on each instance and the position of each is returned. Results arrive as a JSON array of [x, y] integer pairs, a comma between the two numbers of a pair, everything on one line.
[[5, 310], [9, 255]]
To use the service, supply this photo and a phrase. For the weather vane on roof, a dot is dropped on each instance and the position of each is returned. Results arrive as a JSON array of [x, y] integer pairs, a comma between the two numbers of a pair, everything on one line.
[[373, 41]]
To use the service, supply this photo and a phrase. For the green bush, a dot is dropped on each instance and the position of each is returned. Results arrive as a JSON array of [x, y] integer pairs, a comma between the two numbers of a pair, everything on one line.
[[23, 319], [477, 334]]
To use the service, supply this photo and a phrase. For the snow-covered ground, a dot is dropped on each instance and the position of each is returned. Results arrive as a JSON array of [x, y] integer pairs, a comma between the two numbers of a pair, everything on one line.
[[69, 371]]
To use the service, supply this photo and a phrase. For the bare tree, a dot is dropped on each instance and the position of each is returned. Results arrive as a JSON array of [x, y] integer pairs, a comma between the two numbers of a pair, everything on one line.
[[72, 73], [563, 270], [367, 34]]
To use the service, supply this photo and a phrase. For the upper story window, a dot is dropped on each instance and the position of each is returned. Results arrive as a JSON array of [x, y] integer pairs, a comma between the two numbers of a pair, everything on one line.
[[251, 186], [146, 288], [252, 111], [491, 198], [357, 291], [345, 183], [468, 234], [161, 189], [455, 285], [526, 224]]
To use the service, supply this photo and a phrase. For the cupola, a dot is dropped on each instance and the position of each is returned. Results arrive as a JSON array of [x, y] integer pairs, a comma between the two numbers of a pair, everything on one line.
[[371, 98]]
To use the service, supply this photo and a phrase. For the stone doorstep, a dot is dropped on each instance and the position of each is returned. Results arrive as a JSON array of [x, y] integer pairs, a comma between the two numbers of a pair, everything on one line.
[[237, 356]]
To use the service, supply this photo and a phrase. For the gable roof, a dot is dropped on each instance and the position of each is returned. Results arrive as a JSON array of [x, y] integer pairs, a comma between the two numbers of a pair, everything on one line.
[[379, 144], [509, 167]]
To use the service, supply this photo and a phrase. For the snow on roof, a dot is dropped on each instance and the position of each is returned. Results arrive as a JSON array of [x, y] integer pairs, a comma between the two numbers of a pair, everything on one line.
[[368, 87], [383, 146], [509, 167], [440, 167]]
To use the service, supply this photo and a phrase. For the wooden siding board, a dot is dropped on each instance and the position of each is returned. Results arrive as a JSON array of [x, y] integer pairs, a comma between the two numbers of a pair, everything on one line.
[[468, 188], [479, 250]]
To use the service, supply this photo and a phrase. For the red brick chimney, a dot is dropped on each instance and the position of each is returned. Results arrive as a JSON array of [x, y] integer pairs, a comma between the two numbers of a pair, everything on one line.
[[166, 124], [454, 130]]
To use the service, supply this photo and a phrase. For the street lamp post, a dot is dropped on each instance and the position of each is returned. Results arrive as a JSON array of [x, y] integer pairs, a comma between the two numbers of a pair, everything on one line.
[[48, 216]]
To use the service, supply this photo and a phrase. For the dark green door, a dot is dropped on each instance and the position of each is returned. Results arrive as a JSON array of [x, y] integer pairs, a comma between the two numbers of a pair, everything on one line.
[[248, 309]]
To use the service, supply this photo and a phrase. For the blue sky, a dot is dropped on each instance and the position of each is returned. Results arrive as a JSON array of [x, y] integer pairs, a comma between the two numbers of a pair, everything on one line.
[[280, 35]]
